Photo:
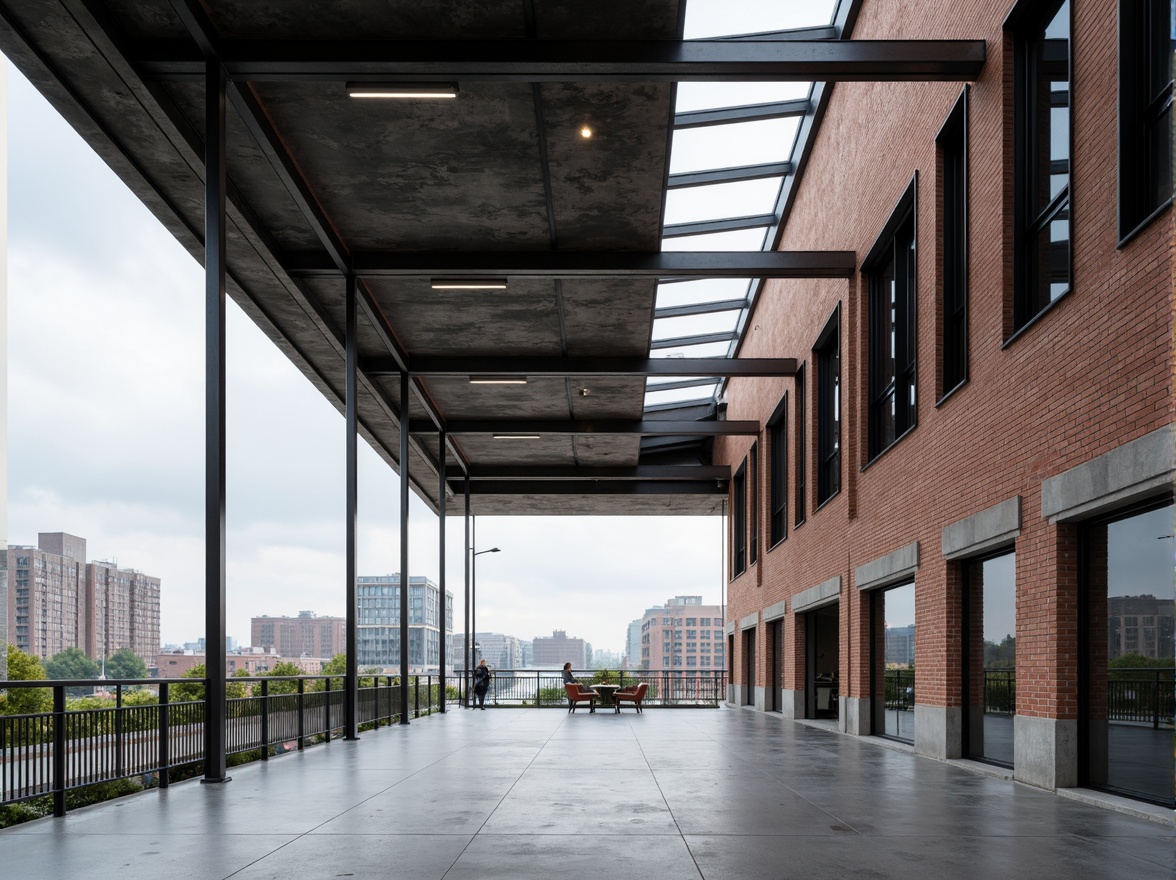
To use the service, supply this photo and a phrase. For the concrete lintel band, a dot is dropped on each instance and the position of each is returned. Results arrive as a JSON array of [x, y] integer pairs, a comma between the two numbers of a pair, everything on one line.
[[825, 593], [893, 568], [731, 628], [1129, 473], [749, 622], [990, 528], [774, 612]]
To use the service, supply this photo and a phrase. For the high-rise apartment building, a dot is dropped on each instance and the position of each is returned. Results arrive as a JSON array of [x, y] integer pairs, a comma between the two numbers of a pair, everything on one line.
[[554, 651], [499, 651], [307, 635], [633, 644], [683, 636], [60, 601], [379, 623]]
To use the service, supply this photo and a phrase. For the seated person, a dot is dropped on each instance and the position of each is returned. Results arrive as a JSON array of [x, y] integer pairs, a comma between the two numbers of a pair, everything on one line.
[[571, 679]]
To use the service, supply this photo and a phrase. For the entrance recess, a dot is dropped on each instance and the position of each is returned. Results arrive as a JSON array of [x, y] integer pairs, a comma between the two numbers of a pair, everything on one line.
[[892, 659], [749, 667], [822, 651], [989, 658]]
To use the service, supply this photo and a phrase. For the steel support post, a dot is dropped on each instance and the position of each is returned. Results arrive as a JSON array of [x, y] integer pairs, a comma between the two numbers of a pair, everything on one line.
[[468, 647], [351, 681], [215, 669], [473, 551], [442, 604], [405, 578]]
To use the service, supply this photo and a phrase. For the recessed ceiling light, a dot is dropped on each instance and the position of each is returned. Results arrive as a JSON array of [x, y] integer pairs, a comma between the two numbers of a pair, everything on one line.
[[516, 436], [468, 283], [498, 380], [585, 132], [406, 91]]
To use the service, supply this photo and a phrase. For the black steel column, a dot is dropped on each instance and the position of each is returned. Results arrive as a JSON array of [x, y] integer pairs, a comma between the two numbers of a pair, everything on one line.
[[215, 668], [441, 559], [468, 648], [351, 682], [405, 578], [473, 592]]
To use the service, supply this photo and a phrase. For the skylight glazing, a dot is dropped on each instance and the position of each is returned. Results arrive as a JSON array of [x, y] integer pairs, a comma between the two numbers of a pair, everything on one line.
[[683, 325]]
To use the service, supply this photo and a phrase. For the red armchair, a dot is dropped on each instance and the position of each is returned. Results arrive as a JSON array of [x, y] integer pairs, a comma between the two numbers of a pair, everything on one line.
[[577, 696], [631, 695]]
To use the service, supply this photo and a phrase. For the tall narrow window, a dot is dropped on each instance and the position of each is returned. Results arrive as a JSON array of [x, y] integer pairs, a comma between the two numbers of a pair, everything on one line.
[[753, 526], [953, 267], [891, 267], [827, 354], [1145, 111], [1042, 141], [739, 521], [801, 469], [778, 473]]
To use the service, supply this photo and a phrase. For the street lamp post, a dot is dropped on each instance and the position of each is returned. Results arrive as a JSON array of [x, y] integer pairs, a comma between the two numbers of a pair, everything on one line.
[[473, 645]]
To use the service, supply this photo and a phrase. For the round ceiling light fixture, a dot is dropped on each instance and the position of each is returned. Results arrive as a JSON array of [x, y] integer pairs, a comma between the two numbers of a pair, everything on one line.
[[585, 132]]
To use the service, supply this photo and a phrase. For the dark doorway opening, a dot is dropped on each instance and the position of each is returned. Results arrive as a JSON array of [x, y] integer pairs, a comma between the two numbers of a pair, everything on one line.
[[822, 650]]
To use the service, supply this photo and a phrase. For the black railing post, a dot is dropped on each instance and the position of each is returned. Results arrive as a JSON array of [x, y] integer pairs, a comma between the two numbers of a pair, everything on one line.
[[118, 731], [164, 734], [59, 782], [416, 696], [301, 714], [265, 719], [327, 709], [1156, 701]]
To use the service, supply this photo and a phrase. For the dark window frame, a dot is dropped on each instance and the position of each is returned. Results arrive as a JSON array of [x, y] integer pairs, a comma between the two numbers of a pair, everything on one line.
[[1145, 114], [778, 474], [891, 267], [1032, 225], [801, 468], [739, 521], [753, 502], [952, 144], [827, 354]]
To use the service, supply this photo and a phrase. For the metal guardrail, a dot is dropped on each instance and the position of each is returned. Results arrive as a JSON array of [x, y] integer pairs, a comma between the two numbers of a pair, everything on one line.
[[51, 753], [544, 689], [899, 689]]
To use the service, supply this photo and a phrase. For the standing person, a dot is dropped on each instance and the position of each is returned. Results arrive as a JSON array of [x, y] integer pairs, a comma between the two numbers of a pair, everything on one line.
[[481, 683]]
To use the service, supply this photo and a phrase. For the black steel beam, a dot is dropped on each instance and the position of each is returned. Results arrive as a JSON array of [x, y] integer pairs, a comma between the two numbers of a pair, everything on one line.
[[685, 179], [640, 472], [326, 60], [683, 383], [741, 113], [539, 367], [724, 224], [585, 264], [642, 427], [614, 487]]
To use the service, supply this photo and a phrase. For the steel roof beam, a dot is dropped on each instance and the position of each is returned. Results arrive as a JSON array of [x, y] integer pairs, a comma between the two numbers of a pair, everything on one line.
[[640, 472], [601, 487], [541, 367], [725, 224], [685, 179], [750, 60], [696, 339], [684, 383], [741, 113], [639, 427], [703, 308], [582, 264]]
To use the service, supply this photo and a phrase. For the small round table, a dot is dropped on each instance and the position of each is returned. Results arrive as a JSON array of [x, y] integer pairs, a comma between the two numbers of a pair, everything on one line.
[[606, 692]]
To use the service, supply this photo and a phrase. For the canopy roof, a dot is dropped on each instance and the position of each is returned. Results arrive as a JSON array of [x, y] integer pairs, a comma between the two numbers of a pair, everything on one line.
[[632, 221]]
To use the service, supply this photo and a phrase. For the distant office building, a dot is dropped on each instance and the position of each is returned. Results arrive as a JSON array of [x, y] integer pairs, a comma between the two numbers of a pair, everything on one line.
[[499, 651], [379, 623], [60, 601], [306, 634], [602, 659], [682, 636], [633, 645], [554, 651], [1140, 625], [526, 653], [900, 645]]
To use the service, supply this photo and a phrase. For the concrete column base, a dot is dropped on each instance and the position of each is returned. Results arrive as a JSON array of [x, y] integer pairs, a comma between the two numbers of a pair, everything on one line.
[[731, 692], [1045, 752], [853, 716], [939, 731], [792, 704], [761, 698]]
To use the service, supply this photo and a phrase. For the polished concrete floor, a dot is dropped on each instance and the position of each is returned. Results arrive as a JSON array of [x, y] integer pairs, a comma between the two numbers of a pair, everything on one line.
[[705, 793]]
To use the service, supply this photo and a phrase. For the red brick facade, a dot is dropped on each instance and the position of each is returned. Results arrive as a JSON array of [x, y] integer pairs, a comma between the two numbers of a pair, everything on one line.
[[1089, 375]]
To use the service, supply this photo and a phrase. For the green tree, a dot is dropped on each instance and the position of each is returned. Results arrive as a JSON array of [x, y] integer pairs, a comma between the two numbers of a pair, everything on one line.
[[1003, 655], [283, 668], [72, 663], [25, 701], [193, 691], [125, 663]]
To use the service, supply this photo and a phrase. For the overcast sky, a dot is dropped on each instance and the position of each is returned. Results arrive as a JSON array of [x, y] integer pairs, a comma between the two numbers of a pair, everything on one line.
[[105, 432]]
